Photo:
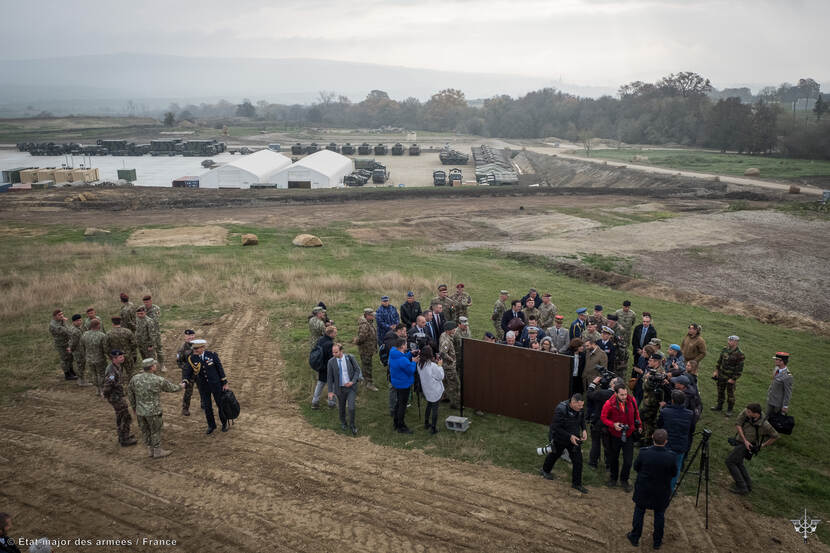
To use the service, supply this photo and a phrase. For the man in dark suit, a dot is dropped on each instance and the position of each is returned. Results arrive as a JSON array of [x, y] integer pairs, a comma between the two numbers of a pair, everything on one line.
[[439, 319], [515, 312], [343, 374], [206, 369], [642, 335], [410, 310], [655, 466]]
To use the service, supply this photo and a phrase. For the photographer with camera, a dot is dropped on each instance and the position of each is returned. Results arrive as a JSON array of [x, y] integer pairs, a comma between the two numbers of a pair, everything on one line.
[[656, 390], [621, 416], [754, 432], [567, 432], [599, 391]]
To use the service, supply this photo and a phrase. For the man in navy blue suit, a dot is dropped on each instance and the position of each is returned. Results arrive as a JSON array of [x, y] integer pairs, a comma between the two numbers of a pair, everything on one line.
[[655, 466], [206, 368]]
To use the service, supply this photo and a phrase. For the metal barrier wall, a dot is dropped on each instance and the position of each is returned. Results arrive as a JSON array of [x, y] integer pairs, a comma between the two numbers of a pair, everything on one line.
[[513, 381]]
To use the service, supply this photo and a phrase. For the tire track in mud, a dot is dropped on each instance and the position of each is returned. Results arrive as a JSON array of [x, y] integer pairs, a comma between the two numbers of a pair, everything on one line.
[[276, 483]]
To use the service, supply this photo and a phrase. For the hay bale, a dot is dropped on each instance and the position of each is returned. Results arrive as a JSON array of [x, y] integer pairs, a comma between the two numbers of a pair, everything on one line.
[[92, 231], [307, 241], [795, 189], [249, 240], [752, 172], [640, 158]]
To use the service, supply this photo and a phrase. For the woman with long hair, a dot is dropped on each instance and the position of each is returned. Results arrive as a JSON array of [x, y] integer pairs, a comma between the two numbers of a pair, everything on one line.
[[431, 373]]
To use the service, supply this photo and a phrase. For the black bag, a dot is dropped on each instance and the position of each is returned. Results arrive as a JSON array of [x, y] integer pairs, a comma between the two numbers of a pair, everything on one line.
[[383, 353], [782, 423], [229, 406], [315, 358]]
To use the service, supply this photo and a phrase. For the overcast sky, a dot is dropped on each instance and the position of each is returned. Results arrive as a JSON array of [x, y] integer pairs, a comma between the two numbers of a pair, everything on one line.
[[588, 42]]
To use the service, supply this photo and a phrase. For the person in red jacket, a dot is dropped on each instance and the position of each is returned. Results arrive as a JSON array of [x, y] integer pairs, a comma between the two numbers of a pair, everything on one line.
[[621, 416]]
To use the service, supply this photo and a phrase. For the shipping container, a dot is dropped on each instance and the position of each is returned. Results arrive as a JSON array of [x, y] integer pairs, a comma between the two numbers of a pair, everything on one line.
[[28, 176], [127, 175], [12, 176], [186, 182]]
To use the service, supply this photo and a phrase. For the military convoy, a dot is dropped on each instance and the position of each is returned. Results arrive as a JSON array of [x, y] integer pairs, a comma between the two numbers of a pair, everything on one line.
[[121, 147]]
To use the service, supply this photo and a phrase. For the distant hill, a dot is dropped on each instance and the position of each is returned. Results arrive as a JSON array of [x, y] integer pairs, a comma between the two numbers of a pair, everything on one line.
[[152, 79]]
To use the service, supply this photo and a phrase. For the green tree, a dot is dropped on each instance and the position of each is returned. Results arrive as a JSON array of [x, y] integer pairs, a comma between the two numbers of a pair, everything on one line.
[[246, 109], [444, 110], [169, 119], [820, 108]]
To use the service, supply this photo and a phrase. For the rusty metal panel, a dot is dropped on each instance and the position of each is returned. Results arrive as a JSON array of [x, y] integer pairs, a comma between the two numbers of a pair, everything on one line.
[[513, 381]]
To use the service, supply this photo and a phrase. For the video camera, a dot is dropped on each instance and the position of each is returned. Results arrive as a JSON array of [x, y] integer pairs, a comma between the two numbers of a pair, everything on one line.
[[606, 376], [654, 380]]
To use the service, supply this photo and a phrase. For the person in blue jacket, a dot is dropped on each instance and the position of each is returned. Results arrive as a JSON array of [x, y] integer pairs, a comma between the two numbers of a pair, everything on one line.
[[386, 317], [402, 373], [678, 422]]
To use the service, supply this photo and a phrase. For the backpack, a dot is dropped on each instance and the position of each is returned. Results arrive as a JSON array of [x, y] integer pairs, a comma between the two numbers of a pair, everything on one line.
[[782, 422], [315, 358], [383, 352], [228, 405]]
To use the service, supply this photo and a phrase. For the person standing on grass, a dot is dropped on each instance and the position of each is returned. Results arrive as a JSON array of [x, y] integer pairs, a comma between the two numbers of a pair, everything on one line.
[[656, 467], [386, 317], [316, 325], [343, 375], [431, 373], [113, 390], [367, 344], [77, 349], [94, 344], [127, 312], [144, 393], [61, 337], [402, 366]]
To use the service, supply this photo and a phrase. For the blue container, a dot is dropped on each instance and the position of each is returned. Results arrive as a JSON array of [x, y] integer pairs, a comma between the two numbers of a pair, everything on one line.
[[5, 187]]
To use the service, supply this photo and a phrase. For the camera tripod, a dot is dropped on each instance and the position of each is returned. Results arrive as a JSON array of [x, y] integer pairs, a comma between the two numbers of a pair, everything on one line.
[[703, 470]]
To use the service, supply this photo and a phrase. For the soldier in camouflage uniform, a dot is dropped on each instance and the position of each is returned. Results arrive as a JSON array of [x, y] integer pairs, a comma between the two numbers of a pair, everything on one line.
[[598, 318], [127, 313], [461, 301], [591, 333], [152, 310], [147, 335], [626, 319], [94, 343], [91, 316], [654, 397], [123, 339], [367, 344], [316, 325], [463, 331], [547, 312], [498, 311], [77, 349], [182, 355], [114, 392], [530, 310], [61, 337], [620, 344], [445, 301], [728, 370], [144, 393], [446, 347]]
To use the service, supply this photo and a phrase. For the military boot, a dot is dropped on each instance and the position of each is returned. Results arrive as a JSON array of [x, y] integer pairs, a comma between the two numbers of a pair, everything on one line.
[[740, 487], [129, 441], [149, 451], [185, 411], [718, 407], [729, 410], [747, 479], [159, 452]]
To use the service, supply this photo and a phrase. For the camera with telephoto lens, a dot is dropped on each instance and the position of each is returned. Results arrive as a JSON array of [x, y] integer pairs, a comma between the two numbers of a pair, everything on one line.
[[654, 380], [544, 450], [623, 428], [606, 377]]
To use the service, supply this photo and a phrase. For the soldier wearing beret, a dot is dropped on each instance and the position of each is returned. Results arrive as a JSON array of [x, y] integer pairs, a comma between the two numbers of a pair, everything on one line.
[[61, 336], [367, 344], [94, 344], [144, 393], [114, 393], [461, 301], [446, 346], [728, 370], [91, 316], [77, 349], [182, 355], [147, 335], [448, 305], [123, 339], [547, 311], [498, 312], [626, 317], [127, 312]]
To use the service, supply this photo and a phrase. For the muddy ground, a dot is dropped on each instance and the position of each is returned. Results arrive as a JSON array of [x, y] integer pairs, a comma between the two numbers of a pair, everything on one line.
[[275, 483]]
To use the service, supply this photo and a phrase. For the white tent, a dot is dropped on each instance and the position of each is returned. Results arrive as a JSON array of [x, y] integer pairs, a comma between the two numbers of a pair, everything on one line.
[[257, 168], [323, 169]]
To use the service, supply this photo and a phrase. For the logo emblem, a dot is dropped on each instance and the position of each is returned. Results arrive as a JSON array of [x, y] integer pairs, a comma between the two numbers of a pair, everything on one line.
[[805, 526]]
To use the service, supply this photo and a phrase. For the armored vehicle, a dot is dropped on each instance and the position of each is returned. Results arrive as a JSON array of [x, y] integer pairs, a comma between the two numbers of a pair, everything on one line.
[[364, 149], [380, 175], [333, 147], [453, 157], [297, 149], [397, 149], [347, 149], [414, 150], [439, 178], [454, 178], [381, 150]]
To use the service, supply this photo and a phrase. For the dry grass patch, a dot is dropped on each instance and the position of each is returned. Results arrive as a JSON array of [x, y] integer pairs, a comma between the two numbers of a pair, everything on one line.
[[210, 235]]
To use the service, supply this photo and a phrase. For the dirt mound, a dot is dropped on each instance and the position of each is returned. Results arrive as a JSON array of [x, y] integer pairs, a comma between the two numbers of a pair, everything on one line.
[[180, 236], [275, 480]]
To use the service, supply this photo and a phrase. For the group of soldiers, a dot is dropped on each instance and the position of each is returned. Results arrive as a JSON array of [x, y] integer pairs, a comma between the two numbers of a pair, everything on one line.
[[110, 360]]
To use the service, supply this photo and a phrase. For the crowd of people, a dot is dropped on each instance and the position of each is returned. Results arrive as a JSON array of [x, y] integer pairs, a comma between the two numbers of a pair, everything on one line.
[[123, 363]]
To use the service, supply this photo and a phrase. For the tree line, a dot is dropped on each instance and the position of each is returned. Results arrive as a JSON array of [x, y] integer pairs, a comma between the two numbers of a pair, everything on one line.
[[680, 108]]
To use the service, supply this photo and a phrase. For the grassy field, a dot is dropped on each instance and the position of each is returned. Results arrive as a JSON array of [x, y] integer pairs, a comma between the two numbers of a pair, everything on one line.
[[713, 162], [48, 266]]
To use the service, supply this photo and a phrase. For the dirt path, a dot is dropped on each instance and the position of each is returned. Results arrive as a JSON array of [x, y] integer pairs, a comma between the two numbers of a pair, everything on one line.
[[275, 483]]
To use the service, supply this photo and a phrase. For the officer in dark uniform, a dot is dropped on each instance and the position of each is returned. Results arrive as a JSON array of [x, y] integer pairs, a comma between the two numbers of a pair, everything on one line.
[[206, 368]]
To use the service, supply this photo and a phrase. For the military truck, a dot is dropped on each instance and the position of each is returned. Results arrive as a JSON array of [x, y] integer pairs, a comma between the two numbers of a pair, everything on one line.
[[453, 157], [439, 178], [380, 174], [297, 149], [201, 148], [381, 150], [352, 180], [454, 178], [414, 150], [164, 147], [397, 149], [364, 149], [347, 149], [138, 149], [333, 147], [369, 164], [311, 148]]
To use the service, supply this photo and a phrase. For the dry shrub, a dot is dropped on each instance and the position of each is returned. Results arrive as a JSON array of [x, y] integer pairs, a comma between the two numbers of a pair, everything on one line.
[[331, 287], [132, 279], [392, 282]]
